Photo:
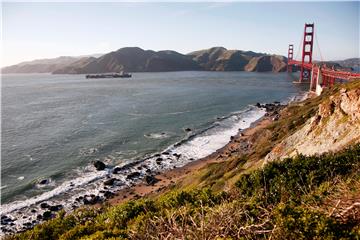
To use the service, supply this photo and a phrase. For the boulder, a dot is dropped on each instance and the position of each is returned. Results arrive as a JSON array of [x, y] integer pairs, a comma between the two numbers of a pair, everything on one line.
[[99, 165], [109, 182], [159, 160], [133, 175], [44, 205], [116, 170], [55, 208], [151, 180], [108, 194], [47, 215]]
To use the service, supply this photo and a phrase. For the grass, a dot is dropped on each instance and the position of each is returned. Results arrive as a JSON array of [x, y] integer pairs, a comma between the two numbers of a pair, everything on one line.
[[284, 200]]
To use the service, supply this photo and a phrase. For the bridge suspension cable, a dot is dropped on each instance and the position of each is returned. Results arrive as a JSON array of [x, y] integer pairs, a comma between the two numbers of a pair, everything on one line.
[[319, 77], [299, 47], [318, 46]]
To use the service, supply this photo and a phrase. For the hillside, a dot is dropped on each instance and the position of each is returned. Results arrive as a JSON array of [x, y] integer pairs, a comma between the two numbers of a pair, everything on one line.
[[267, 64], [138, 60], [221, 59], [245, 194], [45, 65], [350, 62], [40, 66], [134, 59]]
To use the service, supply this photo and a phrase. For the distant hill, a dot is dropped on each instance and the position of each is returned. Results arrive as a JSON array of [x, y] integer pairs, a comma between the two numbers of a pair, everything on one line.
[[267, 63], [134, 59], [350, 62], [47, 65], [221, 59]]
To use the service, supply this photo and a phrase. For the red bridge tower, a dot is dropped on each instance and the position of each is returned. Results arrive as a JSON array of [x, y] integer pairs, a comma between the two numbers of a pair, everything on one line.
[[307, 52], [290, 57]]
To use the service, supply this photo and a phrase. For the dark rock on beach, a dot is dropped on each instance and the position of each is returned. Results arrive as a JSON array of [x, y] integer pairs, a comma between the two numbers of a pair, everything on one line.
[[99, 165], [116, 170], [159, 160], [133, 175], [108, 194], [44, 205], [55, 208], [47, 215], [110, 182], [151, 180]]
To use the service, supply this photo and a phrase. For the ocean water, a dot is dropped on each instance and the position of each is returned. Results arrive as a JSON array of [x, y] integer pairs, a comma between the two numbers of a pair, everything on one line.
[[55, 126]]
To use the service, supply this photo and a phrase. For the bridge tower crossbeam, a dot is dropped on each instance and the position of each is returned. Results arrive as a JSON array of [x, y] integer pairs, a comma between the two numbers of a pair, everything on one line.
[[307, 52]]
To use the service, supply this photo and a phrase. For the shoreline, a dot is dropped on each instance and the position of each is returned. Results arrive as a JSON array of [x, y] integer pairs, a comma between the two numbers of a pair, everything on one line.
[[163, 181], [153, 182]]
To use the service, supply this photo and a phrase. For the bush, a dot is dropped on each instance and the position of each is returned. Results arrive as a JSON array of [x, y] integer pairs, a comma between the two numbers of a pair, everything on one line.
[[289, 179]]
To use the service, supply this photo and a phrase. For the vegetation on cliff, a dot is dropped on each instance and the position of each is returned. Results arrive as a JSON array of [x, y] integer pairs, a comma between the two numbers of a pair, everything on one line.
[[299, 198]]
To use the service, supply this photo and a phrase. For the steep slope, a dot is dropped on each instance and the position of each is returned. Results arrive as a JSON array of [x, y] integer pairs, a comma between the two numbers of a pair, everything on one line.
[[134, 59], [170, 61], [221, 59], [266, 64], [335, 125]]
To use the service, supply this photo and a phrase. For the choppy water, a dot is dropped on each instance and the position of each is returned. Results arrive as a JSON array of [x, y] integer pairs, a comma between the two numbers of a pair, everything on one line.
[[54, 126]]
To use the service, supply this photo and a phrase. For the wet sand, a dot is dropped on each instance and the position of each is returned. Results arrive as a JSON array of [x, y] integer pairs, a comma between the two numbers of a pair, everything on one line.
[[237, 145]]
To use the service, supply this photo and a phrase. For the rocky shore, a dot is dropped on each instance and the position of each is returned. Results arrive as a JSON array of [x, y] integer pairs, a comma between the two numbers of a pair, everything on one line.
[[144, 178]]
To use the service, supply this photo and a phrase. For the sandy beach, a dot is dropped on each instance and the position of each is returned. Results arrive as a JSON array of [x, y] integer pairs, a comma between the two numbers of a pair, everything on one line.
[[238, 144]]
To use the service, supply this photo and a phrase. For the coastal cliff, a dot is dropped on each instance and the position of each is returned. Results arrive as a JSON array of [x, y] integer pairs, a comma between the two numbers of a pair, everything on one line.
[[335, 125], [292, 175]]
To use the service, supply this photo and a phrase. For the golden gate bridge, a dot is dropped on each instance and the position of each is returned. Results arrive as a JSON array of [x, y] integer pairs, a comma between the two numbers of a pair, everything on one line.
[[318, 75]]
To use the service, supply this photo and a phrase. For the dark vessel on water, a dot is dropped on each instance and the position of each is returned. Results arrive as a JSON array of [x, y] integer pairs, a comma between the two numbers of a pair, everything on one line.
[[109, 75]]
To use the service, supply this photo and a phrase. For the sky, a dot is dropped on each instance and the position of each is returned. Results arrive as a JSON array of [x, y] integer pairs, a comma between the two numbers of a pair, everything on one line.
[[45, 30]]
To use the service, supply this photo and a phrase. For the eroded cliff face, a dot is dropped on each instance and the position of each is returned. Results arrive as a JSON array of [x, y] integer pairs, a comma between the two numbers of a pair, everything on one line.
[[335, 126]]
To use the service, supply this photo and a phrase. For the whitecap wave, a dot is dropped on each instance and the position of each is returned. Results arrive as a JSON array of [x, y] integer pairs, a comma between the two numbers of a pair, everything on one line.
[[161, 135], [195, 146]]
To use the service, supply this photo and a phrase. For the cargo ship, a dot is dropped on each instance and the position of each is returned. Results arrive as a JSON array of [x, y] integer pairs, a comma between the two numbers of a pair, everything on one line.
[[109, 75]]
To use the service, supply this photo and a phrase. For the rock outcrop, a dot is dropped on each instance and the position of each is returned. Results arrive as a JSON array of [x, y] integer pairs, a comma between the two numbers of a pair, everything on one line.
[[335, 126]]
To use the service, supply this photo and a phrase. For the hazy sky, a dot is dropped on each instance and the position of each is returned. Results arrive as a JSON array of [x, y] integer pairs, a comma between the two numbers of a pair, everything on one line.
[[44, 30]]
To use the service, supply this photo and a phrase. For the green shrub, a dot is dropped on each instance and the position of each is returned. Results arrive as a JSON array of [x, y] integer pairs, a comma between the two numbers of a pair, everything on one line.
[[291, 178]]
